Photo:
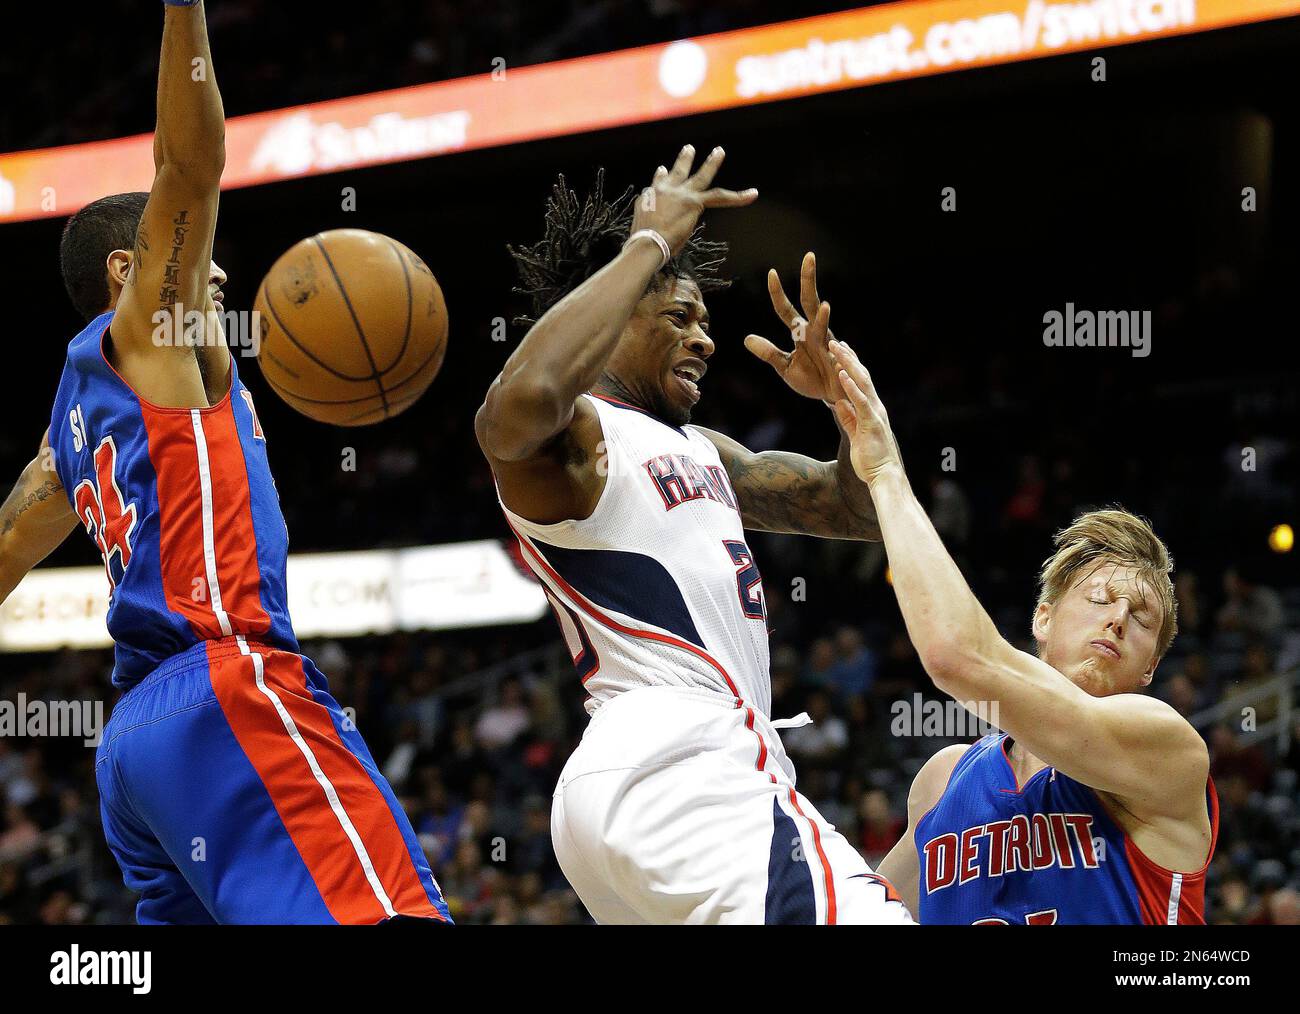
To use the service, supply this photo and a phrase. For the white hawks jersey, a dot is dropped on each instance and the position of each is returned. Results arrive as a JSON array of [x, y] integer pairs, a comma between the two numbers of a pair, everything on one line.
[[657, 587]]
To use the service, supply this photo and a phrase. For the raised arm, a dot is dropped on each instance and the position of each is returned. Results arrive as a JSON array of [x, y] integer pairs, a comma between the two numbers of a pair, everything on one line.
[[564, 353], [34, 518], [171, 266], [1132, 746], [539, 436]]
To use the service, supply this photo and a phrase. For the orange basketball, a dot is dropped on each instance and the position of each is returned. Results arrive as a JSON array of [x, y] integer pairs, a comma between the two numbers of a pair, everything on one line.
[[353, 327]]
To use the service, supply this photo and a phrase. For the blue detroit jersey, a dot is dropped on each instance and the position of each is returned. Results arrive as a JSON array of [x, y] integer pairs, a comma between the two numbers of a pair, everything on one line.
[[995, 852], [181, 505]]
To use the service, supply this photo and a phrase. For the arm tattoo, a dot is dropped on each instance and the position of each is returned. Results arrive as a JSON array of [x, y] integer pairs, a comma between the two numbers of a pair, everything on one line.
[[141, 247], [23, 498], [170, 290], [783, 492]]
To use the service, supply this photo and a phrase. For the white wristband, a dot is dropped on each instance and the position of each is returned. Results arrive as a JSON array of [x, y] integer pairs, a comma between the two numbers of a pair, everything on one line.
[[664, 251]]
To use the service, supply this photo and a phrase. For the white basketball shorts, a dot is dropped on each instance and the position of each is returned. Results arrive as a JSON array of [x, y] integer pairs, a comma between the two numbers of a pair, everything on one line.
[[680, 807]]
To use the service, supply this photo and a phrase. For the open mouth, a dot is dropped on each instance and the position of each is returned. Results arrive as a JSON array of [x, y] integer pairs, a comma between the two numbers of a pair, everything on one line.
[[688, 374]]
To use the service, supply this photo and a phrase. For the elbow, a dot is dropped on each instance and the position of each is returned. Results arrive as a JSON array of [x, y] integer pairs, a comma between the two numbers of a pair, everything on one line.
[[945, 660], [958, 664], [197, 163]]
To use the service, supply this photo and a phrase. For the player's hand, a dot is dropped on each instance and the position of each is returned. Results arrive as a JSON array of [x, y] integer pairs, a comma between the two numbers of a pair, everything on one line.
[[860, 411], [808, 367], [676, 197]]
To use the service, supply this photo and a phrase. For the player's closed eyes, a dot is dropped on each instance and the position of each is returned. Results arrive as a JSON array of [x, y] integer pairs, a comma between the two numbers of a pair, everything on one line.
[[1105, 602]]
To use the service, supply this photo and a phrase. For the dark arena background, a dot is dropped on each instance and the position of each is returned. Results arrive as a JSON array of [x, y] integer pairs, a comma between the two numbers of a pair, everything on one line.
[[950, 213]]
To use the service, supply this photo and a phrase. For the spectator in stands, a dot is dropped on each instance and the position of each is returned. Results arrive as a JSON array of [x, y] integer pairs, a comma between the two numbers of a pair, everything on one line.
[[1190, 615], [950, 511], [1181, 694], [880, 827], [503, 723], [1284, 908], [818, 744], [821, 660], [1233, 759], [1250, 608], [1256, 686], [438, 824], [854, 669]]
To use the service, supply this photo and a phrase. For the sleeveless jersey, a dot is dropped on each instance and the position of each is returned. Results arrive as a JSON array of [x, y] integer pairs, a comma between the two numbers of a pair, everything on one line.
[[995, 852], [181, 505], [657, 587]]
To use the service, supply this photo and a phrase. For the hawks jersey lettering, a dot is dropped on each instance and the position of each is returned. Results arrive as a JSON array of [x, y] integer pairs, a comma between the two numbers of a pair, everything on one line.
[[657, 587], [181, 506], [994, 852]]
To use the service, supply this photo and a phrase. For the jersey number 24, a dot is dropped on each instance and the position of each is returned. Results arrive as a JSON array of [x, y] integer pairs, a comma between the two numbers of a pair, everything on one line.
[[109, 520]]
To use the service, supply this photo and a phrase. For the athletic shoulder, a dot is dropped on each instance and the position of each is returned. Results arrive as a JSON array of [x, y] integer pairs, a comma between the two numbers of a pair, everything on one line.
[[932, 779]]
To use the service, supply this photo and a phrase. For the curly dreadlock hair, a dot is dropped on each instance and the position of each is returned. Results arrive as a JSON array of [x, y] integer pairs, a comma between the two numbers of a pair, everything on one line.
[[582, 236]]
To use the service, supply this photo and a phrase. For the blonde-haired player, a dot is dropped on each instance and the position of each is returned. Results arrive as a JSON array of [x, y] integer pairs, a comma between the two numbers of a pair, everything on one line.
[[1095, 805]]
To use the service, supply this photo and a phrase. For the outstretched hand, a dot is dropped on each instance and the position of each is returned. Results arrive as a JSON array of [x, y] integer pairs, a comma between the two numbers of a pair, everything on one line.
[[862, 415], [808, 367], [676, 197]]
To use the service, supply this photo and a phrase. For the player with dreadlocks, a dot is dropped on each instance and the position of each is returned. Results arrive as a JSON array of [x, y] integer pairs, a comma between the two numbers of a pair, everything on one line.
[[679, 805]]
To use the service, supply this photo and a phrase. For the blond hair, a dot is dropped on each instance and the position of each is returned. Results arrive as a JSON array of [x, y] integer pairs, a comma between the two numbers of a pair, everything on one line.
[[1113, 535]]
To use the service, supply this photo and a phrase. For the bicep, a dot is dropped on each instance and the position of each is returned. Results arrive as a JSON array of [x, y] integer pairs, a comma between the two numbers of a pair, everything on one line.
[[172, 258]]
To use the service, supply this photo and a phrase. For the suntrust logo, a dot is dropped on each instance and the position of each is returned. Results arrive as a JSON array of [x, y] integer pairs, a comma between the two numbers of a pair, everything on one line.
[[297, 144]]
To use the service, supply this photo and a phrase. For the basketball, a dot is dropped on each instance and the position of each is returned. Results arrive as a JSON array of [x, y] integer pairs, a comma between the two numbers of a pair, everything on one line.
[[352, 326]]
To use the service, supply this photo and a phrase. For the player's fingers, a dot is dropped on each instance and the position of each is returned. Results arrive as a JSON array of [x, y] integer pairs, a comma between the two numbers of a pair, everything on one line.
[[660, 173], [847, 417], [808, 297], [682, 167], [819, 328], [703, 178], [848, 359], [857, 397], [849, 362], [721, 198], [766, 351], [780, 302]]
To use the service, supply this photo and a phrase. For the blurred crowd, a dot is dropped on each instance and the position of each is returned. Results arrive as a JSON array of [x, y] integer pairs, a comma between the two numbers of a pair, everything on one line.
[[110, 52]]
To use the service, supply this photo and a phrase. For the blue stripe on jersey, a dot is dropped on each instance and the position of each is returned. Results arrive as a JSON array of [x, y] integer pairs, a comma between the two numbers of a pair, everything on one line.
[[633, 584], [790, 898]]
